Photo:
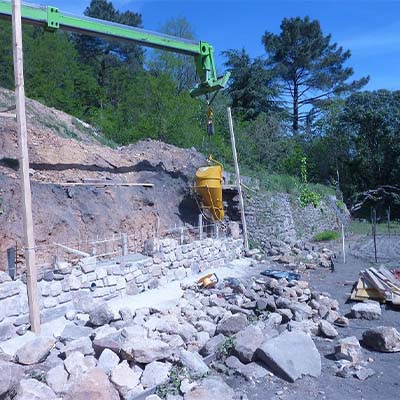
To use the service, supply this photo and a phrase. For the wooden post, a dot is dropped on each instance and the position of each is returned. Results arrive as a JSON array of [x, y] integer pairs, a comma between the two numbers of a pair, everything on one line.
[[343, 248], [200, 226], [29, 242], [124, 242], [374, 232], [238, 181]]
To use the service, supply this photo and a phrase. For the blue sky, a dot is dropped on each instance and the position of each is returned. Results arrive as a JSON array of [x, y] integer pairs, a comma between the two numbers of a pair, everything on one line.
[[370, 29]]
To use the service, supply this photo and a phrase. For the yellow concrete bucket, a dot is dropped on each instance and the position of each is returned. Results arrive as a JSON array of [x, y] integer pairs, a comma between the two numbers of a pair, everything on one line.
[[209, 187]]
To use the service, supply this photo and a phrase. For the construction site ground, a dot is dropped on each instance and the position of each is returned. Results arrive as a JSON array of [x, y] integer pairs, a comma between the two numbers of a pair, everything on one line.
[[384, 384]]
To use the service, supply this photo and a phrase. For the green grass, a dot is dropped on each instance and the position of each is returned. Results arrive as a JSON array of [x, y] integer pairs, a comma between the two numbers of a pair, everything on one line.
[[365, 228], [326, 236]]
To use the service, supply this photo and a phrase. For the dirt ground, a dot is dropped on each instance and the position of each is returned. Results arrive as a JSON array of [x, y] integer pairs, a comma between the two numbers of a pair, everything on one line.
[[384, 385]]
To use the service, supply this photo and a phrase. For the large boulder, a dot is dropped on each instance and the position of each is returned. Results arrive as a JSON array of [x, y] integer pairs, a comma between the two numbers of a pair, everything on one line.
[[193, 362], [10, 375], [231, 324], [72, 332], [144, 350], [383, 338], [325, 329], [212, 388], [155, 373], [83, 345], [102, 314], [247, 342], [291, 355], [213, 345], [348, 349], [125, 378], [35, 351], [368, 310], [31, 389], [94, 385], [57, 379], [108, 360]]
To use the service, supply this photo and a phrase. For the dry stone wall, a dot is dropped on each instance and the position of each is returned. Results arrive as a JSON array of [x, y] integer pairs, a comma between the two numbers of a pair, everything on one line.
[[279, 216], [73, 287]]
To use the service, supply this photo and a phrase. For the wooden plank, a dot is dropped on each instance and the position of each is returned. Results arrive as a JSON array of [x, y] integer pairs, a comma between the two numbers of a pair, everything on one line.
[[29, 242], [100, 184], [238, 180], [7, 115], [73, 251]]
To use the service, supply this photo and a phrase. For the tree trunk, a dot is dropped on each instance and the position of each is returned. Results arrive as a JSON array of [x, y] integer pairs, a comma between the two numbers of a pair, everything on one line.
[[295, 108]]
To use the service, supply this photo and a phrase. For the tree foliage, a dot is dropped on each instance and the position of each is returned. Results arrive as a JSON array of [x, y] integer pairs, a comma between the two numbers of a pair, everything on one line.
[[179, 66], [251, 85], [310, 67]]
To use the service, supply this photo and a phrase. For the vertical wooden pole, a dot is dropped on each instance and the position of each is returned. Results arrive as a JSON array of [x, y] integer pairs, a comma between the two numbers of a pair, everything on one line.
[[200, 226], [343, 247], [238, 181], [34, 310]]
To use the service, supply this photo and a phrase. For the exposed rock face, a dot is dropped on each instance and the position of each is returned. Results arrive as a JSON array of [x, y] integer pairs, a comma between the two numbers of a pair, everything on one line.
[[368, 310], [35, 351], [94, 385], [383, 338], [291, 355]]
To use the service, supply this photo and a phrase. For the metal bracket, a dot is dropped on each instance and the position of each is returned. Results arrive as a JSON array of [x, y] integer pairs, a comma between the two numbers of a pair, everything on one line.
[[53, 18]]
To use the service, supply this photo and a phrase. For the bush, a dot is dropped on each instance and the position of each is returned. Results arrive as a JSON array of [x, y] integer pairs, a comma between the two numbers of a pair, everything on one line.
[[326, 235]]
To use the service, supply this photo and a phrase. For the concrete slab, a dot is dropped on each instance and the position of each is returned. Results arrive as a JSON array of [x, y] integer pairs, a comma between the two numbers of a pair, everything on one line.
[[168, 295]]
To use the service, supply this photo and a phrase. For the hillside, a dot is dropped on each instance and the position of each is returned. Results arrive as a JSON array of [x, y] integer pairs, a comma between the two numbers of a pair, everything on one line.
[[64, 149]]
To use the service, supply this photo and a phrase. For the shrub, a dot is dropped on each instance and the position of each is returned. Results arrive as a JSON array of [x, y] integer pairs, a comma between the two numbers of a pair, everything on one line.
[[326, 235]]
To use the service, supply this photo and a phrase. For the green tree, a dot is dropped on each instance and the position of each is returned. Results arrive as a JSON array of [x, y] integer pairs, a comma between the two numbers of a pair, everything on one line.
[[179, 66], [62, 83], [310, 67], [6, 58], [251, 85]]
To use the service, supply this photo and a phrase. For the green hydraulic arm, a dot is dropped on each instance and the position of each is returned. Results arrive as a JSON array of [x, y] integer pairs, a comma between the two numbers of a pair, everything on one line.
[[51, 18]]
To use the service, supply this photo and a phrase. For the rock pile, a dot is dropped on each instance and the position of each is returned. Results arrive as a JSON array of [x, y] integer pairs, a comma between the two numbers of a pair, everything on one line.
[[252, 328], [299, 255]]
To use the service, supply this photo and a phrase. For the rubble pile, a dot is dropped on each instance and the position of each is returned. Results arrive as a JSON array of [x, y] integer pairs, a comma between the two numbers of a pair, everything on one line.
[[299, 255], [253, 327]]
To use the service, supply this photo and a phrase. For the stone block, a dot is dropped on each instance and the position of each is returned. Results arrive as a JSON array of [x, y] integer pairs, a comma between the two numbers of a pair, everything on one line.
[[143, 278], [88, 264], [55, 288], [10, 288], [7, 330], [50, 302], [91, 276], [64, 298], [101, 273], [12, 306], [74, 282], [110, 280]]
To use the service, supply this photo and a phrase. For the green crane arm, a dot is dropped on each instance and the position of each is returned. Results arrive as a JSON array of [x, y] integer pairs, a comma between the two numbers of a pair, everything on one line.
[[52, 18]]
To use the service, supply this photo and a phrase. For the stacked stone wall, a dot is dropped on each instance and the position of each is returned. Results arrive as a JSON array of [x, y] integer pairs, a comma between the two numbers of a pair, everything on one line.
[[69, 287]]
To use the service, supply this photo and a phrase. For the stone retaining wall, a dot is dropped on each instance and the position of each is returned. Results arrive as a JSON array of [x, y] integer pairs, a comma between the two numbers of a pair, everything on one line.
[[279, 216], [72, 287]]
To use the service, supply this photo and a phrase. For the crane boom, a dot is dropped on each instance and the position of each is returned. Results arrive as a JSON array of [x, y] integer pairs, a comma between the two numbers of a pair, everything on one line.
[[51, 18]]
